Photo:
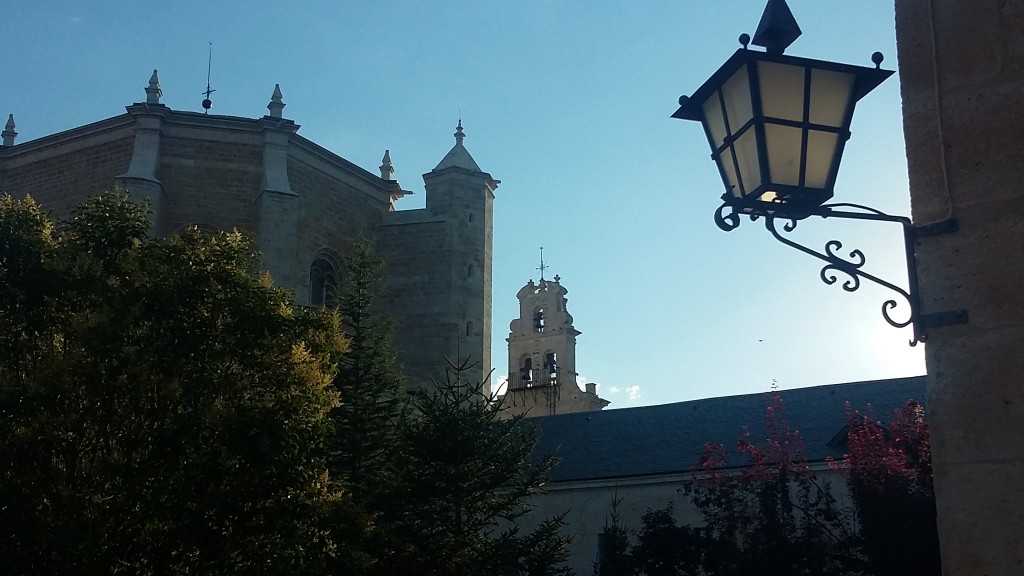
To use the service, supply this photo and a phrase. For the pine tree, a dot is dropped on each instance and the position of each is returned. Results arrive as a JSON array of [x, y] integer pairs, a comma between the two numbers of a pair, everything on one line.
[[362, 448], [465, 481], [613, 558], [369, 381]]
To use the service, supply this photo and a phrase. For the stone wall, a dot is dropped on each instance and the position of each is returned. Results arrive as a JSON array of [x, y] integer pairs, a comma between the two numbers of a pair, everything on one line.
[[298, 201], [962, 72], [439, 270], [209, 183], [60, 171], [587, 505], [333, 212]]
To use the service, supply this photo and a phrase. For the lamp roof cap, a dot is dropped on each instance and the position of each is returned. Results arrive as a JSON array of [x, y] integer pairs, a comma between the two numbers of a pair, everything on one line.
[[777, 28]]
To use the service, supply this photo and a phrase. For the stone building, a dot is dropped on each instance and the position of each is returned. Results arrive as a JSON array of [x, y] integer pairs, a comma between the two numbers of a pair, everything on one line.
[[542, 356], [961, 67], [303, 204], [641, 456]]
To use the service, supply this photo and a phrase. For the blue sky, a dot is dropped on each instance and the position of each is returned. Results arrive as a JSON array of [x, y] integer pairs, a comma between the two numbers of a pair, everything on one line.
[[568, 104]]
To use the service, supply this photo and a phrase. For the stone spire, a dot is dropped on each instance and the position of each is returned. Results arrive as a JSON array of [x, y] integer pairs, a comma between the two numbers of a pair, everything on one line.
[[153, 91], [459, 134], [9, 134], [276, 105], [458, 156], [387, 171]]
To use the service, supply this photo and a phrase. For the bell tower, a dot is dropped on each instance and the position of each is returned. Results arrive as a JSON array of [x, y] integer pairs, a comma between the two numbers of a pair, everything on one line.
[[542, 355]]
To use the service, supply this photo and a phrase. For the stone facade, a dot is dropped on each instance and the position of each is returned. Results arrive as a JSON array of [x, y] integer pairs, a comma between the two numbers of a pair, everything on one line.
[[542, 356], [962, 73], [303, 204]]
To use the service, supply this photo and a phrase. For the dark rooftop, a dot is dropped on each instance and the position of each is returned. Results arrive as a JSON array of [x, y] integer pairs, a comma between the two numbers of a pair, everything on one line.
[[670, 437]]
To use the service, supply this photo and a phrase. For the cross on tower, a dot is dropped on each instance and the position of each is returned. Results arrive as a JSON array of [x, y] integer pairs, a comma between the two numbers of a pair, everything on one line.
[[542, 267]]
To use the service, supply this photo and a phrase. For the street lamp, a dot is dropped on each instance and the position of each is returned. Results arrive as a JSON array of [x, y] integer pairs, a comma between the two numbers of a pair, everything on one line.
[[777, 126]]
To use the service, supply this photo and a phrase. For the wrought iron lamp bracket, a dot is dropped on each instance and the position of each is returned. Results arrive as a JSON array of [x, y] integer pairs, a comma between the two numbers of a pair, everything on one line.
[[727, 217]]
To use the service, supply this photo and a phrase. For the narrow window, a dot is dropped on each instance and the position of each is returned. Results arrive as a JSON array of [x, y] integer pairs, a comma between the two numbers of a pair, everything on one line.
[[469, 271], [323, 283], [538, 320], [469, 328]]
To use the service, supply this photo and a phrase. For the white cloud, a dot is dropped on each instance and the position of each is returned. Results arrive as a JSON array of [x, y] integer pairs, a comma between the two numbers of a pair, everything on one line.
[[633, 391], [502, 384], [614, 390]]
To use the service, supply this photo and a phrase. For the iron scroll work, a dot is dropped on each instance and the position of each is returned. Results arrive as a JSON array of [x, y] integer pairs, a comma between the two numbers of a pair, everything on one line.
[[851, 266]]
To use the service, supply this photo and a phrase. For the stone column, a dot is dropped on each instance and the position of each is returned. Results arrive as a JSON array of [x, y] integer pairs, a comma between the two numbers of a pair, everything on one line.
[[140, 180], [962, 73], [278, 208]]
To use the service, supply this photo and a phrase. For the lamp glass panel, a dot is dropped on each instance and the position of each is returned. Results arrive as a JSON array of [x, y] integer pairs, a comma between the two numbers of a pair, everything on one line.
[[784, 144], [830, 95], [821, 147], [713, 119], [746, 155], [782, 90], [736, 92], [729, 169]]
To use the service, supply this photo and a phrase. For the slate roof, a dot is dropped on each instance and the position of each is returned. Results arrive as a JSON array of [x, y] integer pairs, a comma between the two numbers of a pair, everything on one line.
[[458, 157], [670, 437]]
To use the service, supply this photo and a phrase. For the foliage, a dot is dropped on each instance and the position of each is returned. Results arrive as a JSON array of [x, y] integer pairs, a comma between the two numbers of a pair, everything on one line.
[[664, 548], [890, 478], [162, 410], [773, 516], [369, 380], [362, 451], [165, 411], [464, 477], [613, 558]]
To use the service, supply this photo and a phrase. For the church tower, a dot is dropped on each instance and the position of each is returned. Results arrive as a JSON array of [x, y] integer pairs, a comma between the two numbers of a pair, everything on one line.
[[439, 270], [542, 356]]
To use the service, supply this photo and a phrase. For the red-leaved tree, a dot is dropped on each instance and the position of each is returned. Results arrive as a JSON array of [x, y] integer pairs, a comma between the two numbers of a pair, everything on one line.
[[890, 478], [773, 515]]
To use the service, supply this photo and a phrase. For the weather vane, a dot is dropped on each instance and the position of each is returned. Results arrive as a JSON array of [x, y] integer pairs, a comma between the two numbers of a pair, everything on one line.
[[207, 103], [542, 267]]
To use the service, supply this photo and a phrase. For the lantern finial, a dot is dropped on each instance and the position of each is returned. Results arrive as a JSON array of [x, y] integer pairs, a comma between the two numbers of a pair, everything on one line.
[[777, 29]]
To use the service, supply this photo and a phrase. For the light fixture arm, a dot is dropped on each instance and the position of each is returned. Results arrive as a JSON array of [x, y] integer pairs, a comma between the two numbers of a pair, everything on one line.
[[852, 265]]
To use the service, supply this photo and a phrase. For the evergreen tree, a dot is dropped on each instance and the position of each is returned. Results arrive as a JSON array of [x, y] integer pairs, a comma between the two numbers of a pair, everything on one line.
[[613, 558], [363, 445], [465, 478], [162, 410], [369, 380]]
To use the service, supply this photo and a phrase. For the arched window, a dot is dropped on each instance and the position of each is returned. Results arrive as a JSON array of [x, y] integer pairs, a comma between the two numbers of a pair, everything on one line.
[[526, 369], [551, 365], [323, 283], [538, 320]]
